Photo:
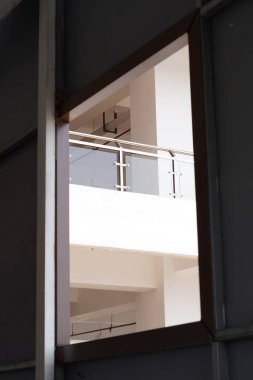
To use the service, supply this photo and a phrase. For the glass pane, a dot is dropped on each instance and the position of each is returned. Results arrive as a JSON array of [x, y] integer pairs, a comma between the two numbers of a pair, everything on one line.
[[160, 176], [185, 178], [93, 167], [142, 174]]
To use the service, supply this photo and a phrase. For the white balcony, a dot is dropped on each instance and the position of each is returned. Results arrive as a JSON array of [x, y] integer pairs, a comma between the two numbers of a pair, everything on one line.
[[130, 221], [133, 231], [153, 209]]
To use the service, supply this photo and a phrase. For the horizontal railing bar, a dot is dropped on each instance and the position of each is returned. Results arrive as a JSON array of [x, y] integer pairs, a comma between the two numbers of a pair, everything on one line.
[[131, 151], [104, 329], [94, 145], [141, 153], [95, 137]]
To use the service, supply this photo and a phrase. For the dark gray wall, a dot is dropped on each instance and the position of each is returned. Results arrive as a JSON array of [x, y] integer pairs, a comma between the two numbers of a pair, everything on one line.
[[176, 364], [18, 73], [28, 374], [18, 254], [232, 51], [99, 34], [240, 360], [18, 117]]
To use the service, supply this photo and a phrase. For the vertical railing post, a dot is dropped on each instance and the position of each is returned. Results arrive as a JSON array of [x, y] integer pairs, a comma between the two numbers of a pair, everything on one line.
[[179, 180], [173, 178], [118, 171], [121, 169]]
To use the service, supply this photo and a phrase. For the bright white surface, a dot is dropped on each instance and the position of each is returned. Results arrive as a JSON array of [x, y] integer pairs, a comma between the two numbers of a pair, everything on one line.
[[144, 172], [117, 270], [175, 300], [182, 298], [173, 101], [140, 222], [160, 103]]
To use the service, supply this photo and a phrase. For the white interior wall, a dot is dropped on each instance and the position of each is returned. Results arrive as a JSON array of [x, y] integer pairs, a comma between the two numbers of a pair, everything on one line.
[[175, 300], [74, 293], [160, 102], [150, 307], [125, 102], [143, 108], [182, 300], [173, 101], [174, 119], [91, 300], [143, 129], [160, 115], [112, 270]]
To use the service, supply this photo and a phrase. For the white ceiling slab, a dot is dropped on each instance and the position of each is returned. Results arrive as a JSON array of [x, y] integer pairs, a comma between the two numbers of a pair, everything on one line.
[[101, 269]]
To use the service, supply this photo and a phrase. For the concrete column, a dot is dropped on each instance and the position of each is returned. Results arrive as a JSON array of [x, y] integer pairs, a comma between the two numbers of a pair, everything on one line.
[[181, 294], [144, 171], [174, 119], [173, 101], [150, 312], [175, 300], [160, 103]]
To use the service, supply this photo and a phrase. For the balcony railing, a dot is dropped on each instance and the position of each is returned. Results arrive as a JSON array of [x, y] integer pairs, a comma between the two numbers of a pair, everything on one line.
[[129, 166]]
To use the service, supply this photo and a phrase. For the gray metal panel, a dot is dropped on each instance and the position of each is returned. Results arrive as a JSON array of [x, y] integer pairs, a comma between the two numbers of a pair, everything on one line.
[[99, 34], [6, 6], [18, 254], [18, 73], [188, 363], [24, 374], [232, 31], [240, 358], [62, 235]]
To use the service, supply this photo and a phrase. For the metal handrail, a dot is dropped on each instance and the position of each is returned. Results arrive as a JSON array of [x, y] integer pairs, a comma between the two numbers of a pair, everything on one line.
[[121, 185], [110, 328], [131, 151], [91, 136]]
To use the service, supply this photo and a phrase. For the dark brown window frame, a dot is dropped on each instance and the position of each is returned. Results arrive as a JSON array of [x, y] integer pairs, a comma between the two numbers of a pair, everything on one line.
[[181, 335]]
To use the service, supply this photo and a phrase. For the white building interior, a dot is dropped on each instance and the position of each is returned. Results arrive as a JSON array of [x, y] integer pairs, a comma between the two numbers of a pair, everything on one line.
[[133, 228]]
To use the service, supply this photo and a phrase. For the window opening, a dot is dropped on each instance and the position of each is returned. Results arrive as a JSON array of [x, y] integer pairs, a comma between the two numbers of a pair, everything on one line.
[[133, 227]]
